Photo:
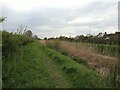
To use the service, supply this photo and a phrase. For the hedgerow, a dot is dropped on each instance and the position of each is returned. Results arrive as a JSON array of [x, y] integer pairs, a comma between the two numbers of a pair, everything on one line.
[[12, 42]]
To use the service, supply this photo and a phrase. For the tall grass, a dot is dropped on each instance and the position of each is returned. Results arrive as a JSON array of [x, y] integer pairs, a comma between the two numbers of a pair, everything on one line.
[[12, 51], [77, 73], [42, 67], [88, 54]]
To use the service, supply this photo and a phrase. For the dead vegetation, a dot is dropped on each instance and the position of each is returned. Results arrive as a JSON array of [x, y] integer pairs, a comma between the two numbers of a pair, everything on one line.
[[95, 60]]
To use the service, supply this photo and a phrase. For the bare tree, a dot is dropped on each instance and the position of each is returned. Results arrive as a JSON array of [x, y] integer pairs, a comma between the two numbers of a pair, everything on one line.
[[29, 33], [2, 19]]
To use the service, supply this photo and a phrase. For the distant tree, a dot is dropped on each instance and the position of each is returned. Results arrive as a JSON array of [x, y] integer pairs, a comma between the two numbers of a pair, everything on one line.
[[62, 38], [52, 38], [35, 37], [2, 19], [45, 38], [21, 29], [80, 38], [29, 33]]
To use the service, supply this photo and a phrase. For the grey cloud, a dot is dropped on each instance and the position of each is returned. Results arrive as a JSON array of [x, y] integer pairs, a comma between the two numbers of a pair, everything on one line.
[[96, 8], [52, 21]]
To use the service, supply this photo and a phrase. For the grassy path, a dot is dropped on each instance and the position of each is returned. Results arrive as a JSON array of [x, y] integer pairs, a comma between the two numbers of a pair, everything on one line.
[[34, 69], [57, 76], [42, 67]]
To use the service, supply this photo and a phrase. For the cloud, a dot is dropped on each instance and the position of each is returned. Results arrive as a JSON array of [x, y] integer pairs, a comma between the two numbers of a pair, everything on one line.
[[92, 17], [27, 5]]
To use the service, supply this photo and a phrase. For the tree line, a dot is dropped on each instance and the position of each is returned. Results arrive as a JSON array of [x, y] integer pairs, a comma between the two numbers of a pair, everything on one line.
[[101, 38]]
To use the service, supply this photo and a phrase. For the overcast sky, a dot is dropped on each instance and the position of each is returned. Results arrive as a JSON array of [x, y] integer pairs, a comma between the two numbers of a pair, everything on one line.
[[47, 18]]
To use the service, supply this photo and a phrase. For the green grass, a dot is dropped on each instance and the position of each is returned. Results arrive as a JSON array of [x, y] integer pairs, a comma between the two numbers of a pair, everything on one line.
[[37, 66], [80, 75]]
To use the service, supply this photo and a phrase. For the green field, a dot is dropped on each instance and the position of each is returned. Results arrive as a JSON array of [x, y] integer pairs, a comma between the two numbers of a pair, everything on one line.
[[105, 49], [38, 66]]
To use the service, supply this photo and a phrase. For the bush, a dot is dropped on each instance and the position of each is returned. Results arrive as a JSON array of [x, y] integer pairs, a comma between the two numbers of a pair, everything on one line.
[[13, 42]]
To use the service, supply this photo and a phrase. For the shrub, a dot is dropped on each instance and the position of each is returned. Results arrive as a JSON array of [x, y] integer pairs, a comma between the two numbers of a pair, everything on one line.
[[13, 42]]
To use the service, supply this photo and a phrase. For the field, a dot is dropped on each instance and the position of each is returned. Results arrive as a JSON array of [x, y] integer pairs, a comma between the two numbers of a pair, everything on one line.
[[43, 67], [95, 56], [59, 44], [31, 63]]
